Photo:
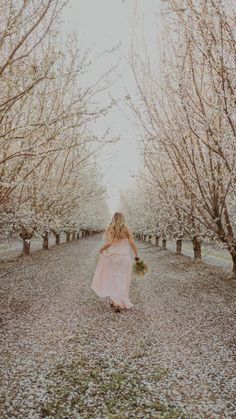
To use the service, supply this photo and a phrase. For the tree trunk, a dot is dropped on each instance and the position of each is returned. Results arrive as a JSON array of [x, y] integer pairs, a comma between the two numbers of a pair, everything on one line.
[[197, 248], [164, 243], [157, 240], [26, 247], [77, 236], [57, 241], [178, 247], [45, 240], [233, 274], [67, 237], [74, 235]]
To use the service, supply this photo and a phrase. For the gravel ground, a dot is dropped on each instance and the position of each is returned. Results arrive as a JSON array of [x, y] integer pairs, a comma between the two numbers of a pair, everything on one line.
[[66, 354]]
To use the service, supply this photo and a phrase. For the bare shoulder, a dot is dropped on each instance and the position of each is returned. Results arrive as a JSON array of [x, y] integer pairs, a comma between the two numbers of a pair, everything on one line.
[[105, 238], [130, 236]]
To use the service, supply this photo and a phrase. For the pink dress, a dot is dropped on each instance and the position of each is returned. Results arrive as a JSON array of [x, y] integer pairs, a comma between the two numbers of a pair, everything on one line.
[[113, 274]]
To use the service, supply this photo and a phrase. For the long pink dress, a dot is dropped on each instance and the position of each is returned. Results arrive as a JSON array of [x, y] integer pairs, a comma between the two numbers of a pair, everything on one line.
[[113, 274]]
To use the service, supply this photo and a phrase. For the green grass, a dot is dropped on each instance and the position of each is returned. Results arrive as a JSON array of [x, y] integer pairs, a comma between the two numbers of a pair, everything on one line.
[[90, 388], [4, 247]]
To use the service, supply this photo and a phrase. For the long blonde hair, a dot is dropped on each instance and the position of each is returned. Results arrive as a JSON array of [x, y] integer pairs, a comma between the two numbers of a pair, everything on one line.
[[118, 228]]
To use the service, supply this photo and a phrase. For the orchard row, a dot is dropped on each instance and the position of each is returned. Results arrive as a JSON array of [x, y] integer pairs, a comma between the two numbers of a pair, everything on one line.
[[186, 116], [49, 179]]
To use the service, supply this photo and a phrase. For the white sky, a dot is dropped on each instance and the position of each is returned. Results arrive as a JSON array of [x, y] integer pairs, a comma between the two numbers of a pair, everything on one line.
[[102, 25]]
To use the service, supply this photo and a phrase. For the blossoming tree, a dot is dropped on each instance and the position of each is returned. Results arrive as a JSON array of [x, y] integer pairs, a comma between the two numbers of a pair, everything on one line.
[[187, 116]]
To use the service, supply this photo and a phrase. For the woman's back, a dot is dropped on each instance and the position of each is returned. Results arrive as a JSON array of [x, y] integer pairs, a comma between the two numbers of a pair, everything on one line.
[[120, 247]]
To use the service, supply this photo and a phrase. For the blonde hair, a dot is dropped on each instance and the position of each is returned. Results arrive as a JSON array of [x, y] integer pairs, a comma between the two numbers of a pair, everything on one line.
[[118, 229]]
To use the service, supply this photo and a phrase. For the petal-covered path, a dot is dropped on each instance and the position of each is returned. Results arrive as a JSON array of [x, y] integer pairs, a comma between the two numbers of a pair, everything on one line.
[[66, 354]]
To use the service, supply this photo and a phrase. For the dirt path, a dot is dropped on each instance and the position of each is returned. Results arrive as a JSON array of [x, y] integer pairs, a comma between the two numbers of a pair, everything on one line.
[[65, 354]]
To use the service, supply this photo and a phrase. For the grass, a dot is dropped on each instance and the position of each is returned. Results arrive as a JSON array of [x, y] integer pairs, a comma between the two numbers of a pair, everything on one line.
[[92, 388], [4, 247]]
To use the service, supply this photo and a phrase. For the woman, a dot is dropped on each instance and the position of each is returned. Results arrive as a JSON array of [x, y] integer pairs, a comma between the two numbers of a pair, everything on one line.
[[113, 273]]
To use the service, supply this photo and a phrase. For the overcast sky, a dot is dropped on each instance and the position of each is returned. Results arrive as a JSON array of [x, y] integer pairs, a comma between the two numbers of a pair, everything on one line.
[[102, 25]]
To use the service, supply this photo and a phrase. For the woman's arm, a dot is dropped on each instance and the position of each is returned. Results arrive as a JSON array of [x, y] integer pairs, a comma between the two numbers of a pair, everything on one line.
[[133, 245], [107, 241], [105, 247]]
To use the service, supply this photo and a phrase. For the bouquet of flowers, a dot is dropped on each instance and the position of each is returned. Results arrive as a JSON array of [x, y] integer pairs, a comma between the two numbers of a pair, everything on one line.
[[139, 267]]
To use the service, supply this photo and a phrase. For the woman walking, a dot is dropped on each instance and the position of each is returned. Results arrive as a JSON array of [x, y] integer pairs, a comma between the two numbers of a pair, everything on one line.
[[114, 270]]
